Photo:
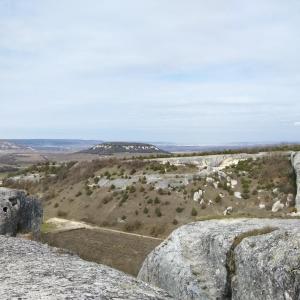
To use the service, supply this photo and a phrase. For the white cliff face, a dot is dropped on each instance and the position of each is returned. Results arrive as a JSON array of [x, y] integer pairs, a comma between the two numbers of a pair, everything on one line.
[[211, 163], [228, 259], [295, 158]]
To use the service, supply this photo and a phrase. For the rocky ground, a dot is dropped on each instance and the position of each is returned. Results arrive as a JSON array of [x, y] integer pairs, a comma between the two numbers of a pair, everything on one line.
[[30, 270]]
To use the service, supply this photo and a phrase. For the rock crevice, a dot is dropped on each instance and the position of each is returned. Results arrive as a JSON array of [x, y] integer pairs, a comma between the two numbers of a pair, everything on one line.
[[295, 159], [206, 260], [231, 260]]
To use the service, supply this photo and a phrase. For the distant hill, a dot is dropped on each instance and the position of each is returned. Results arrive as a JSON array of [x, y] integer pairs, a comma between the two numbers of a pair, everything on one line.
[[8, 145], [55, 144], [123, 147]]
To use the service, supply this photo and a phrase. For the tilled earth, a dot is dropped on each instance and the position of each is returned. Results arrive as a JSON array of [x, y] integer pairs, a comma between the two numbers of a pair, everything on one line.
[[124, 252]]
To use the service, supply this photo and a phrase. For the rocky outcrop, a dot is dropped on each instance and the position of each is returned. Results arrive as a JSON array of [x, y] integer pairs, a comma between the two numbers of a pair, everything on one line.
[[228, 259], [34, 271], [123, 147], [295, 159], [19, 213]]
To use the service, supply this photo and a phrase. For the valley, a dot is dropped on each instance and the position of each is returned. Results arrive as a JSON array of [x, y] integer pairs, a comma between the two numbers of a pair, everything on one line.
[[116, 205]]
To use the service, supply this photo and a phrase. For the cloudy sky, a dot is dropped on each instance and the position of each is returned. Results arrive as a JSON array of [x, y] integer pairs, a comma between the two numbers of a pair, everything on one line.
[[195, 71]]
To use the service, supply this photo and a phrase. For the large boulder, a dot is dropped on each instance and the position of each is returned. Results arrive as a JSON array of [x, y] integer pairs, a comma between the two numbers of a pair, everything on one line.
[[19, 213], [30, 270], [228, 259], [295, 158]]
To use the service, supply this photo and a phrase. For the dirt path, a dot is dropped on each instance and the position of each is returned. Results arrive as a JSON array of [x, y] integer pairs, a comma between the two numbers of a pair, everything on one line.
[[60, 225]]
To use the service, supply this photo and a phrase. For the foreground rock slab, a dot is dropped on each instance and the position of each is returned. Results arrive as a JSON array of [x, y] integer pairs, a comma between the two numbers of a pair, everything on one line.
[[228, 259], [19, 213], [30, 270]]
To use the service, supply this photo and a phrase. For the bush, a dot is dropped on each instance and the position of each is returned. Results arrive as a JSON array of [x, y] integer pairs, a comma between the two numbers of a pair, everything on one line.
[[146, 210], [175, 222], [107, 199], [78, 194], [194, 212], [218, 199], [161, 191], [158, 212], [245, 196], [133, 171], [62, 214], [132, 189], [156, 200], [179, 209]]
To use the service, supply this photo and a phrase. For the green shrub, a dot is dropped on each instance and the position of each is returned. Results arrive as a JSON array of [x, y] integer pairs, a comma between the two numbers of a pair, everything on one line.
[[62, 214], [78, 194], [156, 200], [158, 212], [194, 212], [179, 209], [218, 199]]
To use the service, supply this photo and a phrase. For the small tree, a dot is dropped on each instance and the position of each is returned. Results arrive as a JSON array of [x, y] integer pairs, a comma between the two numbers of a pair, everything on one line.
[[194, 212]]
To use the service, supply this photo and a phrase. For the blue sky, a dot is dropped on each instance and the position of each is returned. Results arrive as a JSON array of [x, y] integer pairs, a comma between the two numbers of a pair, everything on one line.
[[191, 72]]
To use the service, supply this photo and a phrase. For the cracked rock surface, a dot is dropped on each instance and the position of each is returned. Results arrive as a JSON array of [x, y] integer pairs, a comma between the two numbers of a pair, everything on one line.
[[224, 259], [295, 158], [19, 213], [30, 270]]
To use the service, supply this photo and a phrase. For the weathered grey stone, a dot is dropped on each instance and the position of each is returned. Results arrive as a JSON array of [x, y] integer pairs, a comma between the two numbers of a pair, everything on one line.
[[19, 213], [197, 260], [268, 266], [295, 159], [30, 270]]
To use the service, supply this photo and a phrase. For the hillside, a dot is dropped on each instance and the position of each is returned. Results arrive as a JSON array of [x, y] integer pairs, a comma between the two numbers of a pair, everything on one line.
[[112, 148], [55, 144], [154, 196]]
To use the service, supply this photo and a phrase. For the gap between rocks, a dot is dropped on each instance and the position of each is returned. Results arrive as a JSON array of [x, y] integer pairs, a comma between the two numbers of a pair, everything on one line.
[[230, 259]]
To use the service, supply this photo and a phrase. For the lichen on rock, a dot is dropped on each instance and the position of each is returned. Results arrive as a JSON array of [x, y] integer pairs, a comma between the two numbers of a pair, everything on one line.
[[34, 271]]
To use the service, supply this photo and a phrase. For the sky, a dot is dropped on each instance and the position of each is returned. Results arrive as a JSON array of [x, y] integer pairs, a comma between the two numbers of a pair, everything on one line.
[[190, 72]]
